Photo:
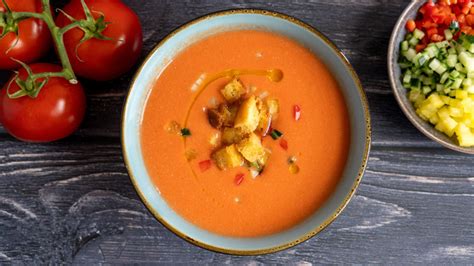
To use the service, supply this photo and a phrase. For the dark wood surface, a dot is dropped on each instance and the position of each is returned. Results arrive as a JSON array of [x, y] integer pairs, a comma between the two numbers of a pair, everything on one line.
[[72, 201]]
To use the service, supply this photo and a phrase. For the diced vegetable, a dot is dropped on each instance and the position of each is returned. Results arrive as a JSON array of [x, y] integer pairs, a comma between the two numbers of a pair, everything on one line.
[[284, 144], [440, 80], [185, 132], [275, 134], [239, 178], [296, 112], [205, 165]]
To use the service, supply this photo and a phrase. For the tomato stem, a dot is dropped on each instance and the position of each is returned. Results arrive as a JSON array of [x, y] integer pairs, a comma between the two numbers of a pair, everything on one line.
[[9, 23]]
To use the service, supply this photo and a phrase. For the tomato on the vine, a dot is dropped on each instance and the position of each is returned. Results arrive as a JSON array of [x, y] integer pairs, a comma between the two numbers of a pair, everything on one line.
[[55, 113], [33, 40], [103, 59]]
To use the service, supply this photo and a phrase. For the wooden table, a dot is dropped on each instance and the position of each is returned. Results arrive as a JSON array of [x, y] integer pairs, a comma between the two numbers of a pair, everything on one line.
[[72, 201]]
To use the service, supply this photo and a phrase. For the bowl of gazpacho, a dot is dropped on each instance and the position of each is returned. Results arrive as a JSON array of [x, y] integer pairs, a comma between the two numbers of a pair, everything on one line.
[[246, 132]]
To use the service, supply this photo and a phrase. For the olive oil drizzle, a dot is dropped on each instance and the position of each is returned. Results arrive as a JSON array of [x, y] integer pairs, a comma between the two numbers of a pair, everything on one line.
[[274, 75]]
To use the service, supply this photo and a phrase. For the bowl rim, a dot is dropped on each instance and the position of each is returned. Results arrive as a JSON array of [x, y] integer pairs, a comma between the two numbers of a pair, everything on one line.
[[422, 127], [362, 167]]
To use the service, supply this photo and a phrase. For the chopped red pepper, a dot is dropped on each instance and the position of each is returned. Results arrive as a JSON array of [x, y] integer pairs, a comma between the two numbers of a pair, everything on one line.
[[436, 16], [239, 178], [411, 25], [296, 112], [205, 165], [284, 144]]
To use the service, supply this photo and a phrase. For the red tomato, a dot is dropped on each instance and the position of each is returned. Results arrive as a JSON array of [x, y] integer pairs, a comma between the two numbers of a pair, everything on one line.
[[103, 59], [33, 39], [54, 114]]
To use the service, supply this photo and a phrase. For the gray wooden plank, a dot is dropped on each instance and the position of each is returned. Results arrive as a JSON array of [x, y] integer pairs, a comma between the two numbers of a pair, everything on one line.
[[62, 201]]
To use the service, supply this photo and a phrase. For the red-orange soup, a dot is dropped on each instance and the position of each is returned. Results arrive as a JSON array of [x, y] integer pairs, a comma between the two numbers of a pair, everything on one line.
[[276, 200]]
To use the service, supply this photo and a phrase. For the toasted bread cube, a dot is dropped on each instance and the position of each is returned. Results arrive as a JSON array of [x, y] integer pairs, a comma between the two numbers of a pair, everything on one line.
[[273, 108], [262, 161], [265, 118], [232, 135], [248, 116], [222, 116], [233, 91], [251, 148], [228, 157]]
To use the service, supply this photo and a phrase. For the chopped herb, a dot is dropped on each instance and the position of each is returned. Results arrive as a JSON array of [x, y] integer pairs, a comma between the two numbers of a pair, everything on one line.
[[275, 134], [185, 132]]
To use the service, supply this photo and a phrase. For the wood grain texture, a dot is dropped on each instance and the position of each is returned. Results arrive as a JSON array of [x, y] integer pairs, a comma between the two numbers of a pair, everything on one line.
[[72, 201]]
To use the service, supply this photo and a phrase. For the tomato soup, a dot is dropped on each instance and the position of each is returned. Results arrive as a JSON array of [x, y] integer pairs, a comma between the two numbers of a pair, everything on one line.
[[306, 159]]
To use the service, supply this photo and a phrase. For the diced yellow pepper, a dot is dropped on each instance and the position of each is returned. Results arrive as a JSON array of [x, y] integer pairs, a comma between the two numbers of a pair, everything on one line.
[[461, 94], [449, 125], [455, 112], [435, 101], [465, 136]]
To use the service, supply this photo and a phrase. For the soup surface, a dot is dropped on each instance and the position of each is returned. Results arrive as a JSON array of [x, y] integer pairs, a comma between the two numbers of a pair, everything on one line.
[[277, 199]]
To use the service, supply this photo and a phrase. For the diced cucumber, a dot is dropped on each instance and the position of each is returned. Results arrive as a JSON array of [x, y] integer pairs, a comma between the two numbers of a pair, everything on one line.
[[435, 63], [452, 60], [456, 84], [409, 54], [448, 34], [442, 44], [407, 78], [467, 60], [413, 41], [443, 78], [426, 90], [404, 46], [454, 74], [460, 68], [418, 34], [441, 69]]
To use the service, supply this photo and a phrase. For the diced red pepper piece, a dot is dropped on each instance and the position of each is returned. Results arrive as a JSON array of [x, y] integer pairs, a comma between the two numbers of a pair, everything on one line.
[[420, 47], [296, 112], [284, 144], [239, 178], [205, 165], [411, 25]]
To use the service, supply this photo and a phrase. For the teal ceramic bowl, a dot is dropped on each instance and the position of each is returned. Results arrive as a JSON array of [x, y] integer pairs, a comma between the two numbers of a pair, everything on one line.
[[234, 20]]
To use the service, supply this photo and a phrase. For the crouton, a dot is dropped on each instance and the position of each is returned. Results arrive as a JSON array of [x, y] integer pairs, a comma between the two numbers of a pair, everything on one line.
[[251, 148], [215, 118], [232, 135], [273, 108], [248, 115], [233, 91], [228, 157], [262, 161], [222, 116], [265, 118]]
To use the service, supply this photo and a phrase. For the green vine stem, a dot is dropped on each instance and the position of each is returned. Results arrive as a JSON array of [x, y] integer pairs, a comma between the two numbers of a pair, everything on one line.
[[57, 36], [92, 29]]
